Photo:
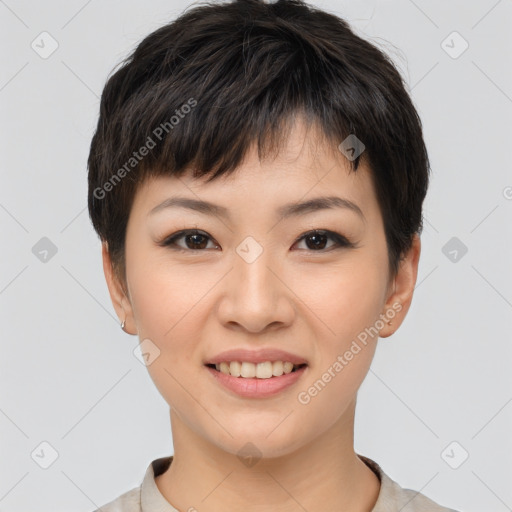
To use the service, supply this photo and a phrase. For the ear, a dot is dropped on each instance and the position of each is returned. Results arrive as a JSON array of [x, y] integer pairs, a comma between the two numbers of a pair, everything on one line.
[[402, 289], [118, 296]]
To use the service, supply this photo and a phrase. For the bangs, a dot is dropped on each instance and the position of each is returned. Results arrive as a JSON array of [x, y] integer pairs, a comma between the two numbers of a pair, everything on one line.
[[193, 109]]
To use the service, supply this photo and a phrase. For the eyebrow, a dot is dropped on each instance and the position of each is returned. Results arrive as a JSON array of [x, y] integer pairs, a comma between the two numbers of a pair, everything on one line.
[[285, 211]]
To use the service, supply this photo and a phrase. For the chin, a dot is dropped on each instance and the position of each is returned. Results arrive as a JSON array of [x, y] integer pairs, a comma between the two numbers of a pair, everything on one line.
[[262, 440]]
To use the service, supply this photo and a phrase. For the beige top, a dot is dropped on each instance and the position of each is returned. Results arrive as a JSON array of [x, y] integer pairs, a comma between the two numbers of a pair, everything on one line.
[[148, 498]]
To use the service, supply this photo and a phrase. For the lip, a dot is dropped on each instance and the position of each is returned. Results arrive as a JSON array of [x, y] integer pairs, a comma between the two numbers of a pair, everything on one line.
[[257, 388], [256, 356]]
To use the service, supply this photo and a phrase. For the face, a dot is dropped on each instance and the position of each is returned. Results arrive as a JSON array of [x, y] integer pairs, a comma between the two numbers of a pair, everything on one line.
[[249, 277]]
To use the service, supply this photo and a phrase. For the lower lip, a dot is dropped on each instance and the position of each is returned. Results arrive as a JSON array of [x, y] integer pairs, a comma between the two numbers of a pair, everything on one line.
[[257, 388]]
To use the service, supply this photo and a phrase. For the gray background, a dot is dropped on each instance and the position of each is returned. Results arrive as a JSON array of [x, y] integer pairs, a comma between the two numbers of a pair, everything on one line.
[[69, 377]]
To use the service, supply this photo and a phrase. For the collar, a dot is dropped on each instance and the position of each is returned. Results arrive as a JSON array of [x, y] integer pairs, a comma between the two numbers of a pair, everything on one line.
[[152, 499]]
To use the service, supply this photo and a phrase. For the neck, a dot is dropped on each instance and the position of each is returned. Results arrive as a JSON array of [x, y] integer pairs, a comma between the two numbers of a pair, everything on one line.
[[325, 474]]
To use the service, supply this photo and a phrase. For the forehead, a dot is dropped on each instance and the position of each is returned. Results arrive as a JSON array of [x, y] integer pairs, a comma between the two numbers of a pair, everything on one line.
[[307, 165]]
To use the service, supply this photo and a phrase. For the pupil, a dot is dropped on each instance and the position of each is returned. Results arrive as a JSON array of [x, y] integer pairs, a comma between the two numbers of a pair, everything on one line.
[[316, 236], [195, 245]]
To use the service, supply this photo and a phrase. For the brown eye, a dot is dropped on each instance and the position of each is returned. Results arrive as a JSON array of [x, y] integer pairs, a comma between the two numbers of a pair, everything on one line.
[[317, 240], [194, 240]]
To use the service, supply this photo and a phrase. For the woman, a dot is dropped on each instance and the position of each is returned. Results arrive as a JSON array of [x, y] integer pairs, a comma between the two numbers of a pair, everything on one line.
[[257, 178]]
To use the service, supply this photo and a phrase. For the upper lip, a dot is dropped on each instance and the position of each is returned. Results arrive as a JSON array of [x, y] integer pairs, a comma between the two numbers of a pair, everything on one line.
[[255, 356]]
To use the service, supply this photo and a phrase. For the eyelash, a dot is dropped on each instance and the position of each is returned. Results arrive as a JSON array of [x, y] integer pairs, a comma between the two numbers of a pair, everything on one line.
[[340, 240]]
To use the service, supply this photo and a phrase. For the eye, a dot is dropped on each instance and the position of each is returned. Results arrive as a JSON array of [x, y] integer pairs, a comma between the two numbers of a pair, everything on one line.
[[194, 240], [319, 237]]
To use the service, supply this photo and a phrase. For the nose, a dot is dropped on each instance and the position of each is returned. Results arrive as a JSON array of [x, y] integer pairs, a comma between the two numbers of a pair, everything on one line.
[[255, 297]]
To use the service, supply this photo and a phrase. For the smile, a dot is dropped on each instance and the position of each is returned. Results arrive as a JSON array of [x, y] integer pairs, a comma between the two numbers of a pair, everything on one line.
[[263, 370], [251, 385]]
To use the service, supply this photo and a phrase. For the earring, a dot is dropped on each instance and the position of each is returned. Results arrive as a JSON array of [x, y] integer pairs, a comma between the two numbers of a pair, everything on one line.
[[122, 325]]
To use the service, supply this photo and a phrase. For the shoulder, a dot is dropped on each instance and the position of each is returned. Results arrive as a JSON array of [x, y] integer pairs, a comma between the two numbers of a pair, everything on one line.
[[145, 496], [127, 502], [393, 497], [407, 500]]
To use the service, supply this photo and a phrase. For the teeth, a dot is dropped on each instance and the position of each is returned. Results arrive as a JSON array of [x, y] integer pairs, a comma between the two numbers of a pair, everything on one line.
[[234, 368], [277, 368], [247, 370]]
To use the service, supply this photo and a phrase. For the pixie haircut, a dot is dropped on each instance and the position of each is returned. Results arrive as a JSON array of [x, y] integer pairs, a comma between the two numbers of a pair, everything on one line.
[[198, 92]]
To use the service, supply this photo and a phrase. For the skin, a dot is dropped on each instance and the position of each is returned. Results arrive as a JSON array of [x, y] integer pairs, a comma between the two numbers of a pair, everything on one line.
[[306, 300]]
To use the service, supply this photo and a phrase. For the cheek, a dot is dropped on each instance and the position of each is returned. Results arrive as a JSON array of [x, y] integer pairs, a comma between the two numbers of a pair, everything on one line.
[[342, 300], [359, 301], [343, 309], [166, 303], [342, 304], [165, 299]]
